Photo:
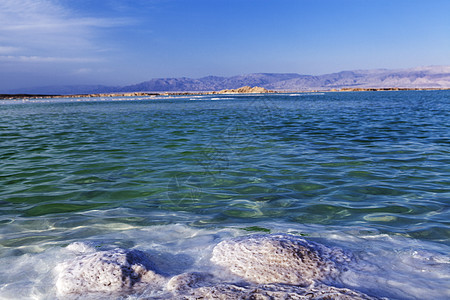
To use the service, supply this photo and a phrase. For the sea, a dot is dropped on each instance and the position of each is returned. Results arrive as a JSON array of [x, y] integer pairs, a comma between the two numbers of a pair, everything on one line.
[[368, 172]]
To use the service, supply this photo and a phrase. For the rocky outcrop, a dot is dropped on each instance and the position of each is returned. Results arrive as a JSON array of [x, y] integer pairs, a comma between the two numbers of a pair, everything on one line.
[[245, 90]]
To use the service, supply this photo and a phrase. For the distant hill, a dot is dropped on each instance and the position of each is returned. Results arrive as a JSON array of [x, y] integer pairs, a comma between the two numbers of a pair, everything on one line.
[[423, 77]]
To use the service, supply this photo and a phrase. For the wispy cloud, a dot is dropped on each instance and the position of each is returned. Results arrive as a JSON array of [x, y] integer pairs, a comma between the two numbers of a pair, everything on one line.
[[87, 71], [23, 58], [42, 30], [8, 49]]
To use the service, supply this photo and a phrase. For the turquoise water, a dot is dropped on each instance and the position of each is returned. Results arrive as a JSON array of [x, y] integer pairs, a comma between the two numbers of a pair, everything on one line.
[[365, 166]]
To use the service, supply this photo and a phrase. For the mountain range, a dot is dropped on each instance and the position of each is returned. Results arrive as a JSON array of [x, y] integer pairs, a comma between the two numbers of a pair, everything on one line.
[[422, 77]]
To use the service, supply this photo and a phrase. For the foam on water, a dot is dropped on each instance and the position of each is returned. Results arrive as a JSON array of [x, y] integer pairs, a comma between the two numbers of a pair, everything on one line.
[[354, 262]]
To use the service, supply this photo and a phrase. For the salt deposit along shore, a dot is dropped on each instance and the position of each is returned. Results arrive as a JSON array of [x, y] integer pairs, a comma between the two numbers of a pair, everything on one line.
[[241, 90], [260, 266]]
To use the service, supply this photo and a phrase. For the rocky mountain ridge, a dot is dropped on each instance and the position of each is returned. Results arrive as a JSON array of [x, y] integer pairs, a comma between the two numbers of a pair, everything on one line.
[[423, 77]]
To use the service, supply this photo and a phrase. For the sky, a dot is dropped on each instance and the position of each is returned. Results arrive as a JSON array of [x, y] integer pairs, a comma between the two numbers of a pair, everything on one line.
[[119, 42]]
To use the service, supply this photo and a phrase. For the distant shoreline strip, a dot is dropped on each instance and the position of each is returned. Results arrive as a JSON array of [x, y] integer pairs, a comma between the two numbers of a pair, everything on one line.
[[232, 91]]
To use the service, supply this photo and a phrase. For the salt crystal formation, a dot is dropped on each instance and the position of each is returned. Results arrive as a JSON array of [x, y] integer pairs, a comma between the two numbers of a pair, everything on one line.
[[187, 281], [234, 291], [110, 271], [200, 286], [265, 259], [273, 267]]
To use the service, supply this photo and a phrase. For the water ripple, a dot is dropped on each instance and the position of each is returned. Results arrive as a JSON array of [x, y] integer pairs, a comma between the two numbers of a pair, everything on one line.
[[377, 159]]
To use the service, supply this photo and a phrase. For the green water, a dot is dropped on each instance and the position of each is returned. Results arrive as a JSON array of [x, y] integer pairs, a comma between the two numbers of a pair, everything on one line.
[[380, 160], [173, 176]]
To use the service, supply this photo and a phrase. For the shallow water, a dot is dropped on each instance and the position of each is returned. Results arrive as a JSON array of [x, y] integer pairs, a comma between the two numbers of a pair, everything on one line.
[[367, 171]]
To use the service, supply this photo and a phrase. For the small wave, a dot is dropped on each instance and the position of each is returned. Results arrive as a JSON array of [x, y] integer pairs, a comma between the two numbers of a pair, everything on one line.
[[208, 98], [305, 94]]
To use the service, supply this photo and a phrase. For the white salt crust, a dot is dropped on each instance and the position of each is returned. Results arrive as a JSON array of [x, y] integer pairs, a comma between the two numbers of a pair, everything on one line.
[[192, 286], [112, 271], [273, 267], [265, 259]]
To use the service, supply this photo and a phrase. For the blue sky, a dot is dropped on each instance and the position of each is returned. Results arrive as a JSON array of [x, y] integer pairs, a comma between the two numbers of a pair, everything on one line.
[[54, 42]]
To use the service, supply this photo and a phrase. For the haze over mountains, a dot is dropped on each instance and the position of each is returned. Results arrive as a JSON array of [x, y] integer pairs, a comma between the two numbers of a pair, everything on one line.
[[422, 77]]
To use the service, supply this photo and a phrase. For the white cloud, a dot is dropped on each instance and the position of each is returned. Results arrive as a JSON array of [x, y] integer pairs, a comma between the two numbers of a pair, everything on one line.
[[8, 49], [43, 30], [85, 71], [23, 58]]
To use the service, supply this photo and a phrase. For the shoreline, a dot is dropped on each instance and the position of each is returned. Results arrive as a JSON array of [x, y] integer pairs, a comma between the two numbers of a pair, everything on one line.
[[243, 90]]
